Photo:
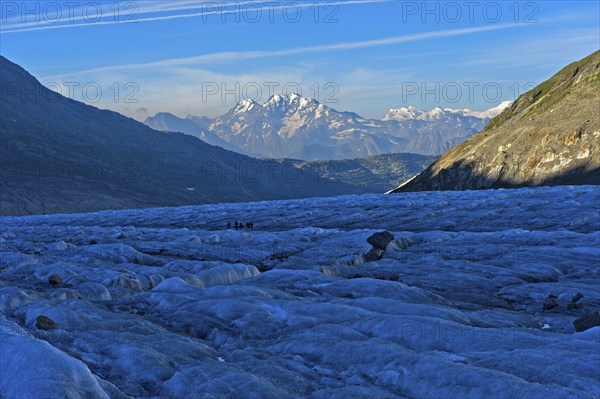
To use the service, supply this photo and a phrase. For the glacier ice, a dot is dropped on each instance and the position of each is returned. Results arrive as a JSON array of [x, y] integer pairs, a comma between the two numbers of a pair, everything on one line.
[[168, 303]]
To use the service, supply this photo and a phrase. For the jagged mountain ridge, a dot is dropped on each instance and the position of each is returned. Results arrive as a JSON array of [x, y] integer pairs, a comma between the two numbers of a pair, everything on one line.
[[549, 136], [414, 113], [296, 127]]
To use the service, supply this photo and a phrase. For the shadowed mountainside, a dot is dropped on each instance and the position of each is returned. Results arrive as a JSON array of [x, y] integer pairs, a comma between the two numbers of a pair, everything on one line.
[[62, 156]]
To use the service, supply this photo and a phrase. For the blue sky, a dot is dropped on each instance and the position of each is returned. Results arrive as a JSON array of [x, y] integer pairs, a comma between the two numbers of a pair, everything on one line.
[[366, 56]]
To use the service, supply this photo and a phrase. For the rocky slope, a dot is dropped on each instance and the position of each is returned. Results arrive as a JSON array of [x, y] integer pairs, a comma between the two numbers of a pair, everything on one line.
[[301, 128], [549, 136]]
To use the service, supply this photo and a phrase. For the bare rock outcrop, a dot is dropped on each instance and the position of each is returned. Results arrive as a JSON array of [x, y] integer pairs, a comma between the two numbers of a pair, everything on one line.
[[549, 136]]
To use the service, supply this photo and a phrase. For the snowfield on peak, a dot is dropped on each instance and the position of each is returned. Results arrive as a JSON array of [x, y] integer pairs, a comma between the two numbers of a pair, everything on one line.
[[490, 113], [164, 303], [413, 113]]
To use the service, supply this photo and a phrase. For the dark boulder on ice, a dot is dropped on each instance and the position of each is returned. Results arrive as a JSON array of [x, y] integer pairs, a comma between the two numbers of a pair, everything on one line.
[[587, 322], [372, 254], [45, 323], [381, 240], [550, 304], [55, 279]]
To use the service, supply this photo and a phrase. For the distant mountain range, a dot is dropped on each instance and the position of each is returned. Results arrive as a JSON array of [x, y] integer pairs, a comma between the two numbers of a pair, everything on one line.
[[58, 155], [549, 136], [296, 127]]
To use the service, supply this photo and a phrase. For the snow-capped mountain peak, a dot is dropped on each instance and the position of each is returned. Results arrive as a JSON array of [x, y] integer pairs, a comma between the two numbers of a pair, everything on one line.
[[274, 99], [434, 114], [292, 100], [413, 113], [404, 113], [245, 106]]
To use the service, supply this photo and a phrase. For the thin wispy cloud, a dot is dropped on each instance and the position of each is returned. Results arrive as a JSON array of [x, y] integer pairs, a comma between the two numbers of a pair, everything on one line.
[[220, 57], [108, 11], [141, 15]]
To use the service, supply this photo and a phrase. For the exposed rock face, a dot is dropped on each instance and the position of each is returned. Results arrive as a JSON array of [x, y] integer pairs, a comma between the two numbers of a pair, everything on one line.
[[550, 304], [587, 322], [371, 255], [55, 279], [574, 306], [381, 240], [45, 323], [549, 136], [576, 297]]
